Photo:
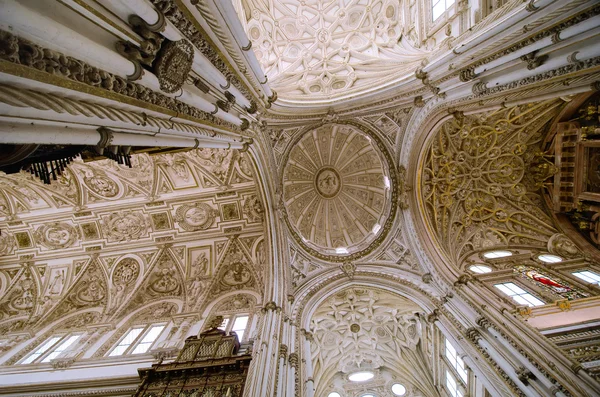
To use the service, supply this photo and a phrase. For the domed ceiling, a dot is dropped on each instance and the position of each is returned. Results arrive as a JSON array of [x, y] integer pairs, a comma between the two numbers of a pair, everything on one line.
[[360, 329], [337, 191], [322, 50]]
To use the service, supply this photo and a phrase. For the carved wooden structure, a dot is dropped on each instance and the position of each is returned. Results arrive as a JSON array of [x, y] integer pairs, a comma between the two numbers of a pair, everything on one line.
[[208, 365]]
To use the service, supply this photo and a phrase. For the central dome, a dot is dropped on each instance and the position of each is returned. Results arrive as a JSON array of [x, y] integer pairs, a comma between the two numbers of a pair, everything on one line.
[[336, 190]]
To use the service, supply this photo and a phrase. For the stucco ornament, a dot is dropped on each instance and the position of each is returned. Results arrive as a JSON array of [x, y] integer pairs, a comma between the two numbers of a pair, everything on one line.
[[199, 216], [253, 209], [336, 189], [125, 226], [7, 244], [235, 271], [561, 245], [364, 329], [475, 188], [56, 235], [173, 64], [101, 184], [322, 50]]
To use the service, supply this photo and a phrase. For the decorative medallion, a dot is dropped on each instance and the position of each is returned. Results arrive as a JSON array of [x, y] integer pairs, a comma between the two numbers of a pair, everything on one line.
[[126, 272], [338, 191], [165, 279], [125, 226], [235, 271], [56, 235], [328, 182], [173, 64], [101, 185], [192, 217]]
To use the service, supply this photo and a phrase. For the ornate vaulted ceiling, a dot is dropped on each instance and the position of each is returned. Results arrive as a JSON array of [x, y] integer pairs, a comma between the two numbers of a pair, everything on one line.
[[481, 179], [366, 329], [322, 50], [107, 240], [337, 190]]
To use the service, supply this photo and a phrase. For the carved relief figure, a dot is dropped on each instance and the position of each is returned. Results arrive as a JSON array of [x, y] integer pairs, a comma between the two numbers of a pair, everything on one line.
[[57, 284], [56, 235], [124, 276], [125, 226], [561, 245], [253, 209], [101, 185]]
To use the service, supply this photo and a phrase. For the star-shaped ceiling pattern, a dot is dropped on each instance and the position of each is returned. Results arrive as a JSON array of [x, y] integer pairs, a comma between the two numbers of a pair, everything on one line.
[[325, 50]]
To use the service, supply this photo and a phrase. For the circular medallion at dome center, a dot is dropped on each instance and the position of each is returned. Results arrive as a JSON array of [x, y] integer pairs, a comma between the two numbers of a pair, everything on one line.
[[328, 182], [337, 191]]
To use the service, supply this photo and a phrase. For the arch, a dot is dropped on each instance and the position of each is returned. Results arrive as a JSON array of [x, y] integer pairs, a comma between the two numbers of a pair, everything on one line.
[[74, 321], [155, 311], [311, 294], [378, 286]]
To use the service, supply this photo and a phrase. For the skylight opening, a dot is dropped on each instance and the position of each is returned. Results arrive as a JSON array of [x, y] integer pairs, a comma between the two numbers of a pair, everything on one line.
[[480, 269], [398, 389], [376, 228], [497, 254], [341, 250], [361, 376], [547, 258]]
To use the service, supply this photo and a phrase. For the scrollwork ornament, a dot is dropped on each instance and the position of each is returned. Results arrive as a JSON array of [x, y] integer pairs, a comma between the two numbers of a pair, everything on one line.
[[126, 272]]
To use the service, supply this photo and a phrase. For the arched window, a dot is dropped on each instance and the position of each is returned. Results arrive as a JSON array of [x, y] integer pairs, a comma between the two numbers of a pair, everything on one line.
[[138, 340], [140, 333], [438, 7], [52, 348], [238, 315]]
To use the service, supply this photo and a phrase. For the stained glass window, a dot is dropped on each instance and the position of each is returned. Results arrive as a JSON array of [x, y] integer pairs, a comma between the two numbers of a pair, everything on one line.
[[549, 283]]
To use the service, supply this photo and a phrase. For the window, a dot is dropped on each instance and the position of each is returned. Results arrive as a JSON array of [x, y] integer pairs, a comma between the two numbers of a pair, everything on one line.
[[519, 295], [137, 340], [439, 6], [51, 349], [452, 385], [239, 326], [497, 254], [456, 361], [236, 323], [398, 389], [547, 258], [480, 269], [588, 276]]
